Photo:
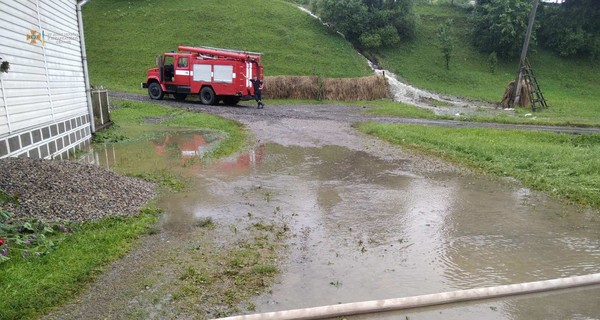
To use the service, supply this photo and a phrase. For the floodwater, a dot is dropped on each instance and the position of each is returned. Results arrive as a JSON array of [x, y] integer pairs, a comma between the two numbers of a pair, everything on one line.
[[363, 228]]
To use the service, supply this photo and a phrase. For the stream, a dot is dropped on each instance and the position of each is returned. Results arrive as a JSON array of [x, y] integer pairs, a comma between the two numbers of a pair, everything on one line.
[[408, 94]]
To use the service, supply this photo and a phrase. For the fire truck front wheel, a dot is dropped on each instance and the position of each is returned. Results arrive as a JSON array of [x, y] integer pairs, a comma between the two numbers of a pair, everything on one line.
[[155, 91], [207, 96]]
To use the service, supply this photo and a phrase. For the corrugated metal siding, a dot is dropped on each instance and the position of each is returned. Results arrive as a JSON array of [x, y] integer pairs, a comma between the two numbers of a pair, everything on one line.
[[45, 83], [65, 70]]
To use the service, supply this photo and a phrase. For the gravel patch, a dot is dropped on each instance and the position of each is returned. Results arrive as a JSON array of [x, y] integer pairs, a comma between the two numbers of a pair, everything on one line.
[[54, 190]]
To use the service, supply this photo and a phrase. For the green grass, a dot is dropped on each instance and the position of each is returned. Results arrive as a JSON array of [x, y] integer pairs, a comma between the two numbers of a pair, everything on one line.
[[29, 286], [124, 37], [566, 166], [388, 107], [571, 86]]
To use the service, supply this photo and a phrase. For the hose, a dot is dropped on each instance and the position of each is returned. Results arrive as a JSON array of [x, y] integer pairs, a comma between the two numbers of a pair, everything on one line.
[[373, 306]]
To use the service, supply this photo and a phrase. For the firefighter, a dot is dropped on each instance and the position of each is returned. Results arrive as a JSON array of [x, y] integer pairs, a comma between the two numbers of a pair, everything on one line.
[[258, 84]]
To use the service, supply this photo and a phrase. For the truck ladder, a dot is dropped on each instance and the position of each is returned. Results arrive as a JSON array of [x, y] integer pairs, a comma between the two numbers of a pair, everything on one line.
[[535, 93], [232, 50]]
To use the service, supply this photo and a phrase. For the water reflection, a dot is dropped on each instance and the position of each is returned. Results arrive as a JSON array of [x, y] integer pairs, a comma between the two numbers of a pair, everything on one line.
[[162, 146], [186, 145], [170, 150]]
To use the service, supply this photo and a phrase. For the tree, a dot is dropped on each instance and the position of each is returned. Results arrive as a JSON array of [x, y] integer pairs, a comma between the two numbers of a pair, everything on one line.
[[500, 26], [571, 28], [446, 41], [369, 24]]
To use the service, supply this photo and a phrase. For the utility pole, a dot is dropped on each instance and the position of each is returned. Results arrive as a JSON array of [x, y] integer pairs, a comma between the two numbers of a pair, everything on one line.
[[517, 86]]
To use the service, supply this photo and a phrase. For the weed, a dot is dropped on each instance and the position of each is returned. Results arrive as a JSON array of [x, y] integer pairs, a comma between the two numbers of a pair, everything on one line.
[[28, 239], [264, 227], [267, 196], [191, 275], [205, 223], [108, 136], [264, 269], [164, 178]]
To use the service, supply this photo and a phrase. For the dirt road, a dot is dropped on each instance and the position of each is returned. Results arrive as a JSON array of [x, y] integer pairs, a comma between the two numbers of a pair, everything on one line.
[[246, 112]]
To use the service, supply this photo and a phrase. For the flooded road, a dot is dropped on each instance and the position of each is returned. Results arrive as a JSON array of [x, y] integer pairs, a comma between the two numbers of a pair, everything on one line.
[[368, 221], [368, 230]]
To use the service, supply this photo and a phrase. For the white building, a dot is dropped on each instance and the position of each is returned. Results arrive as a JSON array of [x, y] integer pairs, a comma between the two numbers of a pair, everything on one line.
[[44, 105]]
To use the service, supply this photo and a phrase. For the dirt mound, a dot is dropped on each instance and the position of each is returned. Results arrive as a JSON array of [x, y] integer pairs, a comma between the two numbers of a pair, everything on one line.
[[69, 191]]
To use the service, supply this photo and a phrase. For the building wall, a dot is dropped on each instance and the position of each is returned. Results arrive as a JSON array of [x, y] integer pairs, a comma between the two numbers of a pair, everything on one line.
[[43, 104]]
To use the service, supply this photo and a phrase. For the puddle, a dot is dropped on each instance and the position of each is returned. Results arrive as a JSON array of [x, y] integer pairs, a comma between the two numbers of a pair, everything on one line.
[[163, 149], [363, 228]]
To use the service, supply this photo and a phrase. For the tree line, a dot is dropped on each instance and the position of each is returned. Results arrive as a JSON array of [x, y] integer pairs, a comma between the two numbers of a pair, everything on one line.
[[570, 28]]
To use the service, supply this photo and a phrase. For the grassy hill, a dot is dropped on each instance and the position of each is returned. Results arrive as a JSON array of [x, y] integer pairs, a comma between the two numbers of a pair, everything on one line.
[[123, 37], [571, 87]]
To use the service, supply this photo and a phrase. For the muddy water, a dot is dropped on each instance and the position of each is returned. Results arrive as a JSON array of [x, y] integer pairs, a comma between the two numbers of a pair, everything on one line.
[[363, 228]]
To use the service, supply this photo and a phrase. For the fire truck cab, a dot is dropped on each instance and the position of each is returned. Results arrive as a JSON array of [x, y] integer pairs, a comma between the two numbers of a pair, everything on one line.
[[214, 74]]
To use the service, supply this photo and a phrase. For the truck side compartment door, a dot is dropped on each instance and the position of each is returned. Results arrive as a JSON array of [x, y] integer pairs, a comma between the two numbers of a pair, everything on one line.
[[202, 72]]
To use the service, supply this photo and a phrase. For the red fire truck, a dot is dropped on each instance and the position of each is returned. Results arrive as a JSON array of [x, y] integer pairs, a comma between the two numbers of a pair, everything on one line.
[[214, 74]]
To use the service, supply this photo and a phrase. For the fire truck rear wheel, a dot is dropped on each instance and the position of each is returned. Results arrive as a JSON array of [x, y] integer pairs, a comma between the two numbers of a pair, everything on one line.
[[207, 96], [155, 91]]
